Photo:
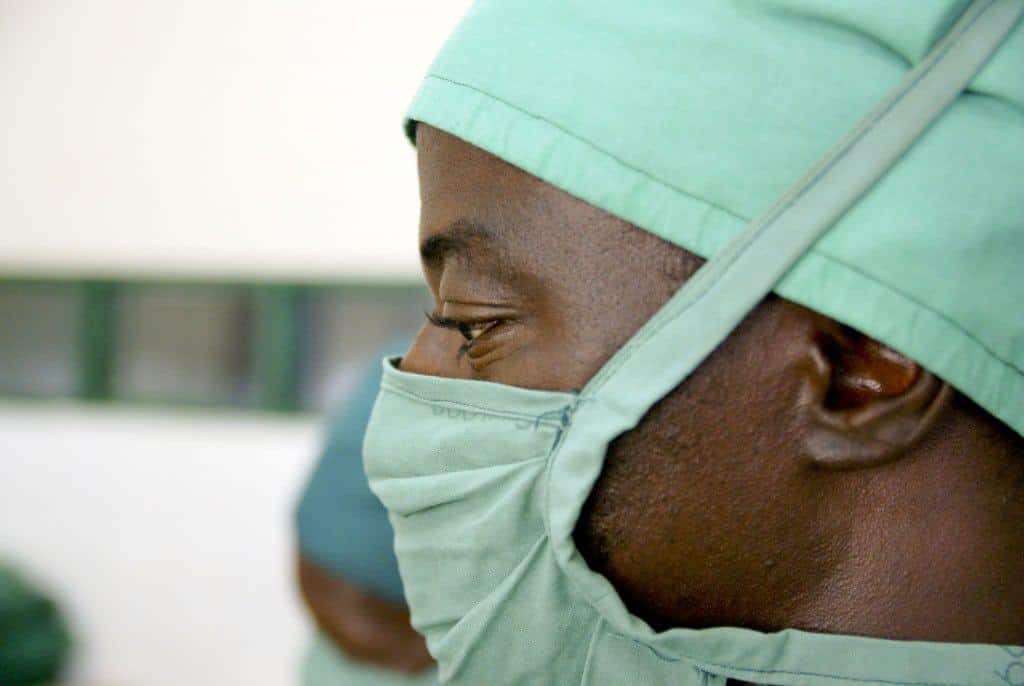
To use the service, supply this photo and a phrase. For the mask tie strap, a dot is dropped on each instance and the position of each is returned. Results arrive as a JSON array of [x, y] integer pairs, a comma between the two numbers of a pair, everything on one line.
[[749, 266], [714, 301]]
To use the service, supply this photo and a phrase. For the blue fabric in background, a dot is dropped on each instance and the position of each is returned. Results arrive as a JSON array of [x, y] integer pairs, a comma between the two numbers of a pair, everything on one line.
[[341, 524]]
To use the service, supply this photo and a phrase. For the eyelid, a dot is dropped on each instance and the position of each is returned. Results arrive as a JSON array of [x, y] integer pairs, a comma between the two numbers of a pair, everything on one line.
[[440, 321], [451, 313], [465, 327]]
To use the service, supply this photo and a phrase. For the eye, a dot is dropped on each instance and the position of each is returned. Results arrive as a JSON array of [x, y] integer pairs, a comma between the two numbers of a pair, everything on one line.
[[476, 329], [469, 330]]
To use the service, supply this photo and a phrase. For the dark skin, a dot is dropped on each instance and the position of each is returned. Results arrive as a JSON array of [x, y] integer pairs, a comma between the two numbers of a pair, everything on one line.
[[804, 476], [369, 629]]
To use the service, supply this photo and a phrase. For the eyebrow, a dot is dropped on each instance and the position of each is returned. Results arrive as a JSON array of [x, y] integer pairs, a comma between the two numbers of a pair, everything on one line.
[[461, 237]]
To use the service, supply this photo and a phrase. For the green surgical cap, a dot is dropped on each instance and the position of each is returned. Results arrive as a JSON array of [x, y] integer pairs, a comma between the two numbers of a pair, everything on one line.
[[689, 119]]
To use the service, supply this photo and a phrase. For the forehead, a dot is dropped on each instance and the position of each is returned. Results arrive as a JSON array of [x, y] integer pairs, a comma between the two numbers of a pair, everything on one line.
[[461, 184], [449, 165]]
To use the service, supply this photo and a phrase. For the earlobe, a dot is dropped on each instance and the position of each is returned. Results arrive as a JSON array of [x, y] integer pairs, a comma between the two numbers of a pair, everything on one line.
[[862, 403]]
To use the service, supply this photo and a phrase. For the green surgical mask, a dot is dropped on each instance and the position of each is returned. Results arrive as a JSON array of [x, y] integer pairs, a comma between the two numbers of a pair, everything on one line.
[[484, 482]]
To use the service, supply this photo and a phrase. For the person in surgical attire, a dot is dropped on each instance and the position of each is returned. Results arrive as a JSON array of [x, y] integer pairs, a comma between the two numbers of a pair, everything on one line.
[[636, 442], [346, 566]]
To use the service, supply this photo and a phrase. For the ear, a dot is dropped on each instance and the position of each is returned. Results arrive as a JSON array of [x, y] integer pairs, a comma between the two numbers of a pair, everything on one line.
[[864, 404]]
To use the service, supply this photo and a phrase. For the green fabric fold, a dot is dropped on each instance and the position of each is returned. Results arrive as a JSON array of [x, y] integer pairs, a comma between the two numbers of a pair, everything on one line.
[[689, 121]]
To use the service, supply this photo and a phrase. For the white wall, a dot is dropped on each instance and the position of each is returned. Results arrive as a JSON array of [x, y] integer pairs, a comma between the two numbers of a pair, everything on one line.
[[167, 537], [212, 137], [206, 138]]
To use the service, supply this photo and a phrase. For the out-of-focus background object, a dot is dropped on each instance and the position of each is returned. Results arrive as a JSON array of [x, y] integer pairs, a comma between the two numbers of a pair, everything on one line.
[[33, 639], [207, 222], [251, 137]]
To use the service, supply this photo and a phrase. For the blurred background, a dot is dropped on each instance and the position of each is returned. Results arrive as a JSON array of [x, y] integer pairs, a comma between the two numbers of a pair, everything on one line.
[[207, 223]]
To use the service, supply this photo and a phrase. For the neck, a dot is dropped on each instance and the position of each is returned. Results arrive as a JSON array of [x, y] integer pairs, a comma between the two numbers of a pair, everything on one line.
[[929, 559]]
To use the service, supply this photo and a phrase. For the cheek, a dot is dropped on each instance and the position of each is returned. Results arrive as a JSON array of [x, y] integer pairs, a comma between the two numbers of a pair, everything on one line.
[[536, 359], [435, 352], [559, 347], [698, 516]]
